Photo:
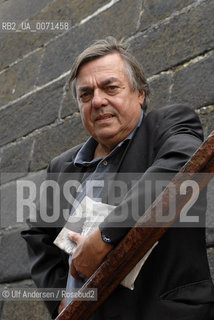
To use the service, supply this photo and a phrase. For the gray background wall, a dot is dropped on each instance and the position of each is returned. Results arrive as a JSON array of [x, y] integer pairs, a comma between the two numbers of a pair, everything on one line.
[[174, 41]]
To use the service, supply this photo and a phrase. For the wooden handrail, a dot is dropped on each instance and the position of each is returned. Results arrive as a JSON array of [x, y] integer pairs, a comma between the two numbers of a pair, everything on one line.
[[140, 238]]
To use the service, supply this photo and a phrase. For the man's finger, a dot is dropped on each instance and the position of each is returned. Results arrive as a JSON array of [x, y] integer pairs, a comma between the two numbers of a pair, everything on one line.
[[74, 236], [61, 306]]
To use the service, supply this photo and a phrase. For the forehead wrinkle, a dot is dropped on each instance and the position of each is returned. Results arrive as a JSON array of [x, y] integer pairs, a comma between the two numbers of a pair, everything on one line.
[[109, 80]]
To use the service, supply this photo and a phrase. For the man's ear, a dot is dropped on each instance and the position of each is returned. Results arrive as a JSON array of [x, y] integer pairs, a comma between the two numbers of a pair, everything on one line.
[[141, 96]]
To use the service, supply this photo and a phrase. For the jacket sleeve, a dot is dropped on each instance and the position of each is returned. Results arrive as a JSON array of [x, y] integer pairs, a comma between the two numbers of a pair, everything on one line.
[[48, 264], [177, 133]]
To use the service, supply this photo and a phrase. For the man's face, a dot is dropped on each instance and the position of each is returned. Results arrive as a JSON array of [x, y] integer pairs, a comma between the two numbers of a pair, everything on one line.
[[109, 107]]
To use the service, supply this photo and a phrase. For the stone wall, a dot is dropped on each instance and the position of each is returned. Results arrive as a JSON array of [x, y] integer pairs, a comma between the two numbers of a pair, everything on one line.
[[174, 41]]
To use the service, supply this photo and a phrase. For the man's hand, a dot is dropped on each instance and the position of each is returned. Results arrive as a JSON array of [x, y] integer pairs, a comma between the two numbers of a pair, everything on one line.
[[89, 253], [61, 306]]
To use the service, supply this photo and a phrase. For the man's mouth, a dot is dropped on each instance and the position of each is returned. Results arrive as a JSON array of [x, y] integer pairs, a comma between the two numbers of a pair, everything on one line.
[[104, 116]]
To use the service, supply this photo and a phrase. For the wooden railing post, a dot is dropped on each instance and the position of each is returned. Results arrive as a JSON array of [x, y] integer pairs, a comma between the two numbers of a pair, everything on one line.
[[140, 238]]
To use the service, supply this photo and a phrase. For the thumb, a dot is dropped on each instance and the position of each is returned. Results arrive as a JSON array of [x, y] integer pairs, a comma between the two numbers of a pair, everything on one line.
[[74, 236]]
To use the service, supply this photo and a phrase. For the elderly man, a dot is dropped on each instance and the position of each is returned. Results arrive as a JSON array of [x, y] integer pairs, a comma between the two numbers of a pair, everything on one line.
[[174, 283]]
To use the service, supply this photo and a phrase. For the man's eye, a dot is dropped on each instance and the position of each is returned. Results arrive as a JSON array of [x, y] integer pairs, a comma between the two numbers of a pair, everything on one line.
[[85, 96], [112, 89]]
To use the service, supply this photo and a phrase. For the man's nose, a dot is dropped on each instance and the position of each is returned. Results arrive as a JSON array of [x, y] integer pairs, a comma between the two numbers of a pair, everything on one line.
[[99, 99]]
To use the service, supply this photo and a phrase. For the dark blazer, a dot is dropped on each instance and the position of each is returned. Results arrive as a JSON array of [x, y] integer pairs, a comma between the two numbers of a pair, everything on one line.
[[175, 282]]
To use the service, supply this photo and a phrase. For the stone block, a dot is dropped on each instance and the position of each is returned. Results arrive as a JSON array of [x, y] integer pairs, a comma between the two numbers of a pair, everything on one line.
[[21, 9], [159, 95], [69, 105], [154, 11], [8, 205], [27, 73], [16, 310], [11, 216], [60, 10], [8, 82], [67, 47], [73, 11], [177, 40], [193, 84], [13, 257], [30, 113], [210, 254], [56, 140], [22, 43], [15, 160]]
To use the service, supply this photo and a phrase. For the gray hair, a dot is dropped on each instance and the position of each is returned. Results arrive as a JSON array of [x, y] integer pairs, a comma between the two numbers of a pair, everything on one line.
[[107, 46]]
